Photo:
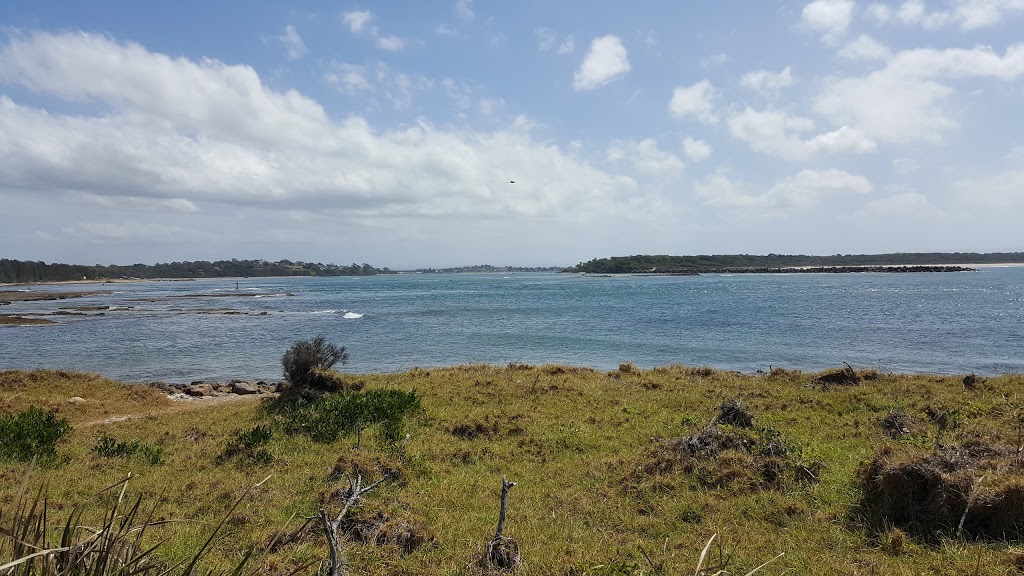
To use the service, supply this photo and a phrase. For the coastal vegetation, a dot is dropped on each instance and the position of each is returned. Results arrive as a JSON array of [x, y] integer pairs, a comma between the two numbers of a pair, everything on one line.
[[24, 271], [662, 263], [625, 472]]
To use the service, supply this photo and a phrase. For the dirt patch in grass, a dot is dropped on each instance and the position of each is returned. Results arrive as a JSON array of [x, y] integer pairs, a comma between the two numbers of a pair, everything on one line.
[[975, 489]]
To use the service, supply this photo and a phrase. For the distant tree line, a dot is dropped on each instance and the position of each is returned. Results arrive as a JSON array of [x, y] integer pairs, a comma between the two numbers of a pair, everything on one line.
[[19, 271], [662, 263], [488, 268]]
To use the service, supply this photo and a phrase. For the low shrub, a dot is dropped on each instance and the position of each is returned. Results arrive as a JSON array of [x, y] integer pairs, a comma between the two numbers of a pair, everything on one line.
[[33, 433], [109, 447], [247, 447], [328, 418], [307, 363]]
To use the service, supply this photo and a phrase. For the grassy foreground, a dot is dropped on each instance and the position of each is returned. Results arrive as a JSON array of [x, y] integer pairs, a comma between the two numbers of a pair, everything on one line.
[[597, 492]]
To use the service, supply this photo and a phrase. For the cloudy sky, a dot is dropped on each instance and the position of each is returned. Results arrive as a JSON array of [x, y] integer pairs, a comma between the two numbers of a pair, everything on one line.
[[389, 132]]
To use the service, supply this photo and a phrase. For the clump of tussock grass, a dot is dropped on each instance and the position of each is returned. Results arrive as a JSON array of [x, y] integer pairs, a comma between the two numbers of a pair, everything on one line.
[[248, 447], [975, 489], [729, 454], [109, 447], [117, 545], [897, 424], [846, 376]]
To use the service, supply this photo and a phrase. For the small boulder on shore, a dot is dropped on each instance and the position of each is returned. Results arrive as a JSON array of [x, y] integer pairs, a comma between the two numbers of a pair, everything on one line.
[[243, 387]]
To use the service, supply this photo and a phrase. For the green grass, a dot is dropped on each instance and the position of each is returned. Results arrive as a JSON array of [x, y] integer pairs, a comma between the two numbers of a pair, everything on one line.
[[580, 444]]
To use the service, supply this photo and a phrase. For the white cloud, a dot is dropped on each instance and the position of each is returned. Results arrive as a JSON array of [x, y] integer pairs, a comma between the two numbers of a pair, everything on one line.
[[357, 20], [404, 87], [794, 193], [777, 133], [568, 45], [464, 10], [879, 13], [391, 43], [714, 60], [905, 204], [605, 62], [349, 78], [446, 30], [967, 14], [696, 150], [694, 101], [904, 166], [768, 83], [461, 93], [831, 18], [644, 156], [178, 130], [489, 106], [546, 38], [293, 43], [499, 39], [1001, 190], [905, 102], [865, 48]]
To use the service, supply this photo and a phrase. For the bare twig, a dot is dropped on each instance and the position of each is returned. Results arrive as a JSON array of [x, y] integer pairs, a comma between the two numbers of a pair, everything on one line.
[[337, 562]]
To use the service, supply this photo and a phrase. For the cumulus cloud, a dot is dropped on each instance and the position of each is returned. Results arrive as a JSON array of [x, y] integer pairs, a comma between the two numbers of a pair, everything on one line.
[[798, 192], [696, 150], [489, 106], [865, 48], [905, 204], [768, 83], [695, 100], [357, 20], [568, 45], [830, 18], [200, 132], [349, 78], [644, 156], [967, 14], [780, 134], [390, 43], [605, 62], [293, 44], [464, 10], [906, 100]]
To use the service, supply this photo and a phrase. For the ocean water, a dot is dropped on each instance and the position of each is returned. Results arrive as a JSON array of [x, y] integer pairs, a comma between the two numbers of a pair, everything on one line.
[[918, 322]]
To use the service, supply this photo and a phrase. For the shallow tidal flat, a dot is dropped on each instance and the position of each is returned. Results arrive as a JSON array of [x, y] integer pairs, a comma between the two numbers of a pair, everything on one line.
[[843, 472], [50, 317]]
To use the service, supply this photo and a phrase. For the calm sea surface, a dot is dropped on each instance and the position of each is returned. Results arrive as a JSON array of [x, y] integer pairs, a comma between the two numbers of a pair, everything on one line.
[[945, 323]]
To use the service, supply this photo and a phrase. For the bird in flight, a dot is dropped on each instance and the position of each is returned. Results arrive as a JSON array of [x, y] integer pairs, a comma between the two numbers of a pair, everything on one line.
[[511, 181]]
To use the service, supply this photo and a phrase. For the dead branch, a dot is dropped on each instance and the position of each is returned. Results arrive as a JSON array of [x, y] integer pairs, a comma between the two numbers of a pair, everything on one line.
[[337, 562], [502, 551]]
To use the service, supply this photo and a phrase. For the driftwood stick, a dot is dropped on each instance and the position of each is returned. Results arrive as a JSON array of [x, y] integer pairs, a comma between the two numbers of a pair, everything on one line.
[[337, 562], [967, 508], [505, 487]]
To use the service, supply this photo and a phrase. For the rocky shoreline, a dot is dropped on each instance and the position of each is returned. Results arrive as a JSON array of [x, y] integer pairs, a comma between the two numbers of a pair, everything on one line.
[[207, 389]]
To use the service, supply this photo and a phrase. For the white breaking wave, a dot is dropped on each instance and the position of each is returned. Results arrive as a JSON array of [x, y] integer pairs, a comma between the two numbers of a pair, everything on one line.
[[332, 311], [353, 315]]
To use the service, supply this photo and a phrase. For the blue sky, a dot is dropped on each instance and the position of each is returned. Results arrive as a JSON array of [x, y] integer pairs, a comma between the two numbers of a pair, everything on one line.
[[389, 133]]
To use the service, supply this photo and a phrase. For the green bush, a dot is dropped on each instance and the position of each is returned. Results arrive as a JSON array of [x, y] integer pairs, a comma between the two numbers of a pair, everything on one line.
[[328, 418], [33, 433], [109, 447], [307, 361], [246, 447]]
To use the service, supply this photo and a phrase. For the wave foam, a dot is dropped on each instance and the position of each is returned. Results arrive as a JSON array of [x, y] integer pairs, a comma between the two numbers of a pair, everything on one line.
[[352, 315]]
